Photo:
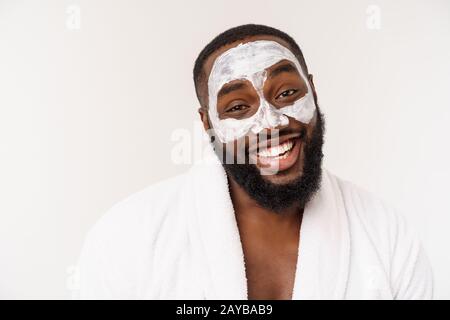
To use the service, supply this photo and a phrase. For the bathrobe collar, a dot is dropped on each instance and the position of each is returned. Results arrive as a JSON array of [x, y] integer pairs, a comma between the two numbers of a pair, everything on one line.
[[324, 251]]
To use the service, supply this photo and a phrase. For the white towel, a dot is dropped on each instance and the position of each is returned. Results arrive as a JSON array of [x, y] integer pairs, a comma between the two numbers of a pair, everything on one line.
[[179, 239]]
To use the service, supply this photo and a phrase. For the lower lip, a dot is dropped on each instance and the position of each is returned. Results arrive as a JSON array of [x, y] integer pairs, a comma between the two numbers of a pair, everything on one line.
[[282, 164]]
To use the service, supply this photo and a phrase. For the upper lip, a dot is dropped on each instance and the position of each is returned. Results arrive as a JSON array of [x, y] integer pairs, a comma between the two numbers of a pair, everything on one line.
[[272, 142]]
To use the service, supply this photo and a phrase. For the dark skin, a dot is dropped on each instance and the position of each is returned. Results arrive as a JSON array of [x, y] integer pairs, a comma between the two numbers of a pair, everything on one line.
[[270, 240]]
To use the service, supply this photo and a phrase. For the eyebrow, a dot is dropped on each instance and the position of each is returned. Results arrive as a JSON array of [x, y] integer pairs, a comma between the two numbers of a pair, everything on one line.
[[230, 88], [287, 67]]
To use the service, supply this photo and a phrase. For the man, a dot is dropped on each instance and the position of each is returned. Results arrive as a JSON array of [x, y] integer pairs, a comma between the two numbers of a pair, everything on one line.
[[262, 220]]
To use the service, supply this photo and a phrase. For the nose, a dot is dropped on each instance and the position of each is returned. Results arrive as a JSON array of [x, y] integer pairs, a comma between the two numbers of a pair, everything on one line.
[[272, 118], [274, 131]]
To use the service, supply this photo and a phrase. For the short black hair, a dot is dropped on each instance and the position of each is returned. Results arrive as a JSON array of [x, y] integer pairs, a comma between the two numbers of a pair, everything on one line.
[[239, 33]]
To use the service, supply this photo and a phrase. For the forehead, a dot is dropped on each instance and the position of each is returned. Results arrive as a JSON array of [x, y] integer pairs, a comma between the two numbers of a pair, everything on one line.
[[212, 58]]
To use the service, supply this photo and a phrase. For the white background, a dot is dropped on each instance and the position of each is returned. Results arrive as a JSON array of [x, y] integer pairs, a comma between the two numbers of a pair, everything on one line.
[[86, 115]]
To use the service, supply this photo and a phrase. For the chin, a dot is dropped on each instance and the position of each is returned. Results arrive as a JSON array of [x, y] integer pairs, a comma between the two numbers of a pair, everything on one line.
[[285, 177]]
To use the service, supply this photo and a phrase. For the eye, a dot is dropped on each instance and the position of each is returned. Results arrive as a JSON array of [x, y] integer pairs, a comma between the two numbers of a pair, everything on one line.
[[237, 108], [286, 93]]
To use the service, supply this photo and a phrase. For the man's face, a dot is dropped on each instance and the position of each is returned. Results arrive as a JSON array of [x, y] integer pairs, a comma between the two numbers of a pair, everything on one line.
[[274, 154]]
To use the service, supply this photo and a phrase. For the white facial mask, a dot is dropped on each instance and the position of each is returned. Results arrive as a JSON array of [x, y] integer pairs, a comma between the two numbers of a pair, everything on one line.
[[249, 61]]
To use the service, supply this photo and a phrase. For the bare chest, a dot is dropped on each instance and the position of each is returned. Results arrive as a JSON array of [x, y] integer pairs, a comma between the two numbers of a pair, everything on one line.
[[270, 271]]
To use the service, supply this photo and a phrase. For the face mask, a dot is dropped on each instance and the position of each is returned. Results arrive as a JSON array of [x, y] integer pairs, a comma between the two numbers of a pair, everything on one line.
[[249, 61]]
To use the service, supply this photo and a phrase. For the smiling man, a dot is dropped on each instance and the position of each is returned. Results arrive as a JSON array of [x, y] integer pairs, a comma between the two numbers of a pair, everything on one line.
[[262, 220]]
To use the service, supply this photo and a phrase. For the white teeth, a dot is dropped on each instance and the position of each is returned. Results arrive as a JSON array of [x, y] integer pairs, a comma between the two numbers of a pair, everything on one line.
[[277, 150]]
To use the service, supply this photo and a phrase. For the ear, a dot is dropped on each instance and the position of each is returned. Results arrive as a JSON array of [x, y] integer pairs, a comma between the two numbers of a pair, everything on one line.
[[311, 82], [203, 112]]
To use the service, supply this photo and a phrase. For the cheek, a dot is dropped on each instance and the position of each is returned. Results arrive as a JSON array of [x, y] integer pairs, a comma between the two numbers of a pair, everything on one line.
[[239, 149], [310, 126], [309, 131], [234, 150]]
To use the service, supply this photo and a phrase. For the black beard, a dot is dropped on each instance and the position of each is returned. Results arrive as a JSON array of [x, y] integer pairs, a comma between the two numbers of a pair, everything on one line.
[[277, 197]]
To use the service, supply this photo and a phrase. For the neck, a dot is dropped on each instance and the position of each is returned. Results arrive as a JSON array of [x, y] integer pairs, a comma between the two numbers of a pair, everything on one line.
[[246, 208]]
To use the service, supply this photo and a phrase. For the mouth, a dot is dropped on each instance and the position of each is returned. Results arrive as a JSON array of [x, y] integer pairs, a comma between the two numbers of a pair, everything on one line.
[[279, 157]]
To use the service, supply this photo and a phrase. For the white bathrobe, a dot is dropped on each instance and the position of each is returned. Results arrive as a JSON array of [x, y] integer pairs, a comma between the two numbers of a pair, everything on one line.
[[179, 239]]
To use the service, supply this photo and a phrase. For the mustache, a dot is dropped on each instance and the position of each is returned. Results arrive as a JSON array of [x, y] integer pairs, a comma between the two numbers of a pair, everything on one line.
[[267, 139], [281, 134]]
